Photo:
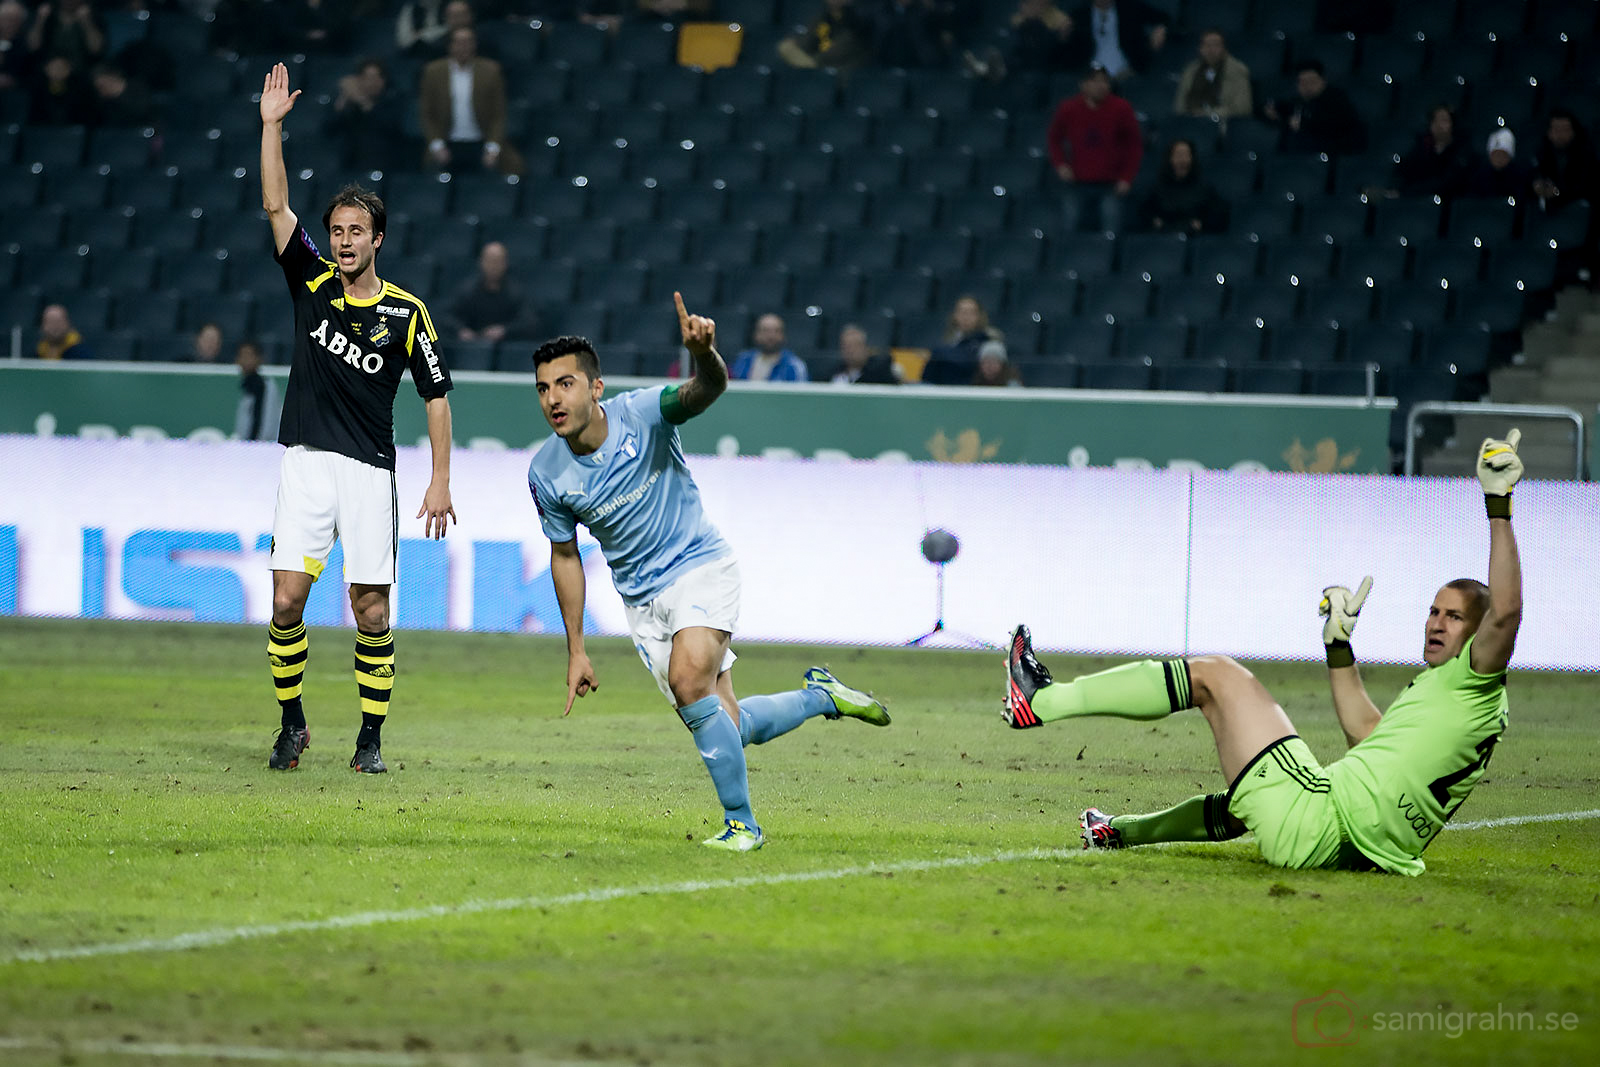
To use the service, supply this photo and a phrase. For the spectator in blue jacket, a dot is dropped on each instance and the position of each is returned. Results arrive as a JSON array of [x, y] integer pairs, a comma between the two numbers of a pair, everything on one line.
[[769, 360]]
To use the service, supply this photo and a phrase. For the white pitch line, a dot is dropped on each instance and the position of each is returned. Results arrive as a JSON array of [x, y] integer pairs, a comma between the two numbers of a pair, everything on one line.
[[212, 938], [328, 1057]]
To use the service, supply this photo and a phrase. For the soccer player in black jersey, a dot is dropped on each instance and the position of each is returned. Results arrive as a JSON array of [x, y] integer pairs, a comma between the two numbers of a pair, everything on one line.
[[354, 336]]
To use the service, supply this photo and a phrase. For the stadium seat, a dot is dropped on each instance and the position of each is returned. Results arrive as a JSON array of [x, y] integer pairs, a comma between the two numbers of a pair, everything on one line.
[[58, 272], [908, 291], [1284, 379], [102, 231], [871, 171], [551, 281], [1013, 255], [412, 194], [1232, 343], [976, 211], [234, 313], [979, 134], [1401, 56], [602, 162], [1562, 230], [812, 91], [39, 228], [848, 134], [1499, 307], [802, 170], [1309, 259], [1121, 300], [653, 244], [867, 250], [707, 129], [1082, 256], [121, 150], [939, 251], [1343, 218], [487, 197], [1268, 220], [1297, 177], [700, 284], [1155, 342], [1049, 373], [1306, 343], [145, 190], [611, 284], [1418, 305], [1117, 375], [836, 208], [56, 148], [1491, 221], [1193, 300], [941, 172], [1340, 304], [623, 203], [1336, 379], [835, 292], [1452, 262], [760, 289], [1269, 302], [147, 312], [193, 273], [1017, 174], [1414, 218], [134, 268], [1154, 257], [990, 290], [1461, 350], [671, 89], [789, 247], [645, 44], [576, 43], [1381, 260], [876, 90], [1082, 340], [1195, 377], [1233, 259], [1388, 345], [1051, 299], [1526, 263], [743, 87]]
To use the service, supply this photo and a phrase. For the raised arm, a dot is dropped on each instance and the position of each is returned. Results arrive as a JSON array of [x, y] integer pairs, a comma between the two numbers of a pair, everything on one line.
[[1499, 468], [566, 570], [1358, 715], [276, 103], [710, 372]]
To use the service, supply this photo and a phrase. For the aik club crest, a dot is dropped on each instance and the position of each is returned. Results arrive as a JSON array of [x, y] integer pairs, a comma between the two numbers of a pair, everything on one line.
[[380, 332]]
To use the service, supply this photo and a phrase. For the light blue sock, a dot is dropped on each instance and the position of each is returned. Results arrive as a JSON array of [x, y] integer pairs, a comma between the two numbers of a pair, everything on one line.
[[763, 718], [720, 746]]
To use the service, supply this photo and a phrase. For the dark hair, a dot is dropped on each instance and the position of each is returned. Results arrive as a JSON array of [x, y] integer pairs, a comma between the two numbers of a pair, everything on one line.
[[1217, 30], [355, 196], [1446, 108], [1167, 174], [1313, 65], [252, 344], [1477, 597], [570, 345], [373, 61]]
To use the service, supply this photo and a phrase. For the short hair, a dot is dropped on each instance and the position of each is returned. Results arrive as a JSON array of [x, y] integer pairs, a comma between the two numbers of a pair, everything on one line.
[[1214, 31], [1477, 595], [1313, 65], [356, 196], [373, 61], [570, 345]]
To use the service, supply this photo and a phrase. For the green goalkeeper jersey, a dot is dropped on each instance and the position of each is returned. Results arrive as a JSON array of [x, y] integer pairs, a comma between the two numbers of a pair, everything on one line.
[[1397, 788]]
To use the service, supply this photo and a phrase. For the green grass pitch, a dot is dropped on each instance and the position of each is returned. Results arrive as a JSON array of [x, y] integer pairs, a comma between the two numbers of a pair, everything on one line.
[[921, 899]]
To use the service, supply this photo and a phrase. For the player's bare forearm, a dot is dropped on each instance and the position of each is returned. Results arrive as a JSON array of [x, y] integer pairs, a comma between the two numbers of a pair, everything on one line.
[[566, 571], [1497, 635], [1358, 715], [276, 103], [436, 503], [709, 382]]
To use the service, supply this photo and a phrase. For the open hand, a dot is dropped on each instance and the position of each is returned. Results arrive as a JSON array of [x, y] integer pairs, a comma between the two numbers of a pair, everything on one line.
[[276, 99]]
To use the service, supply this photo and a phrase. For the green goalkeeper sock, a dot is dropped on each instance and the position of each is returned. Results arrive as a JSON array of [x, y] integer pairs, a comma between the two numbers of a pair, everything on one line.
[[1202, 818], [1147, 689]]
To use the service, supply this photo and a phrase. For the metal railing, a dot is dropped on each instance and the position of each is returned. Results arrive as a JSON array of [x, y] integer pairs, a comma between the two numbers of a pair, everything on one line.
[[1518, 411]]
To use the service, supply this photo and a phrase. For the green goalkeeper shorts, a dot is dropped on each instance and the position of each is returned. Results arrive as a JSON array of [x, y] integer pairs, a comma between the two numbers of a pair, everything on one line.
[[1284, 797]]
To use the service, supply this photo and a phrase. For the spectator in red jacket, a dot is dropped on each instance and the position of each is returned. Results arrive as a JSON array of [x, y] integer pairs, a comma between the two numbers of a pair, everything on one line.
[[1095, 146]]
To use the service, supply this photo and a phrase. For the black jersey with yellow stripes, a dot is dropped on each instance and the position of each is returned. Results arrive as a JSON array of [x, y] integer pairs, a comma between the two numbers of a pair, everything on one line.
[[349, 355]]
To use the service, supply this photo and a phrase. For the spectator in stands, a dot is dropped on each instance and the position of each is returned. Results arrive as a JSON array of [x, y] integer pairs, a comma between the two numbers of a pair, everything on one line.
[[62, 95], [1122, 36], [859, 364], [119, 100], [1439, 163], [1215, 84], [839, 38], [1035, 40], [1353, 16], [1318, 118], [207, 344], [260, 405], [490, 306], [1095, 146], [955, 361], [366, 119], [994, 367], [15, 65], [910, 33], [463, 110], [314, 25], [58, 338], [1181, 202], [69, 29], [769, 360], [1566, 170], [420, 30], [1499, 174]]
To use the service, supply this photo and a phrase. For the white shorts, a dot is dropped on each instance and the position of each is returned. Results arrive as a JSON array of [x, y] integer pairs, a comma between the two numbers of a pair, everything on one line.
[[324, 495], [705, 596]]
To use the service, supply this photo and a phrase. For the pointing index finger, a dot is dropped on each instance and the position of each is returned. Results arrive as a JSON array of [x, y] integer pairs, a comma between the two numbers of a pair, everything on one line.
[[683, 312]]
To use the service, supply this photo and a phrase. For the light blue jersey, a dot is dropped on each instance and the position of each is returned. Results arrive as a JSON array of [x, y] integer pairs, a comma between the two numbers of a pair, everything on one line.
[[634, 494]]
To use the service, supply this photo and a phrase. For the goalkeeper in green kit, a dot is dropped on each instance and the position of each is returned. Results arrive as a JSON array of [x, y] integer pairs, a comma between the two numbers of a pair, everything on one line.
[[1408, 769]]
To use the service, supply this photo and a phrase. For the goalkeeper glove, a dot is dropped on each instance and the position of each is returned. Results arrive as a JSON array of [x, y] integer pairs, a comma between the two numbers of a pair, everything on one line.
[[1499, 469], [1340, 607]]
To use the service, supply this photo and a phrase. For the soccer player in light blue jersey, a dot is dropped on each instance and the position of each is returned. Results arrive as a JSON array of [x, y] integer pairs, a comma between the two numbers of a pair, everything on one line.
[[617, 467]]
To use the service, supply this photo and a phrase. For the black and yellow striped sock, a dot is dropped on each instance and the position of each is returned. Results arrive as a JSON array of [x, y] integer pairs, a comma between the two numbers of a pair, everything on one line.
[[286, 653], [375, 680], [1202, 818], [1147, 689]]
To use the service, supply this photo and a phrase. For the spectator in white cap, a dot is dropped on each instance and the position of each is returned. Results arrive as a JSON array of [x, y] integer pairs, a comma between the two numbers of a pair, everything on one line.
[[994, 366], [1499, 174]]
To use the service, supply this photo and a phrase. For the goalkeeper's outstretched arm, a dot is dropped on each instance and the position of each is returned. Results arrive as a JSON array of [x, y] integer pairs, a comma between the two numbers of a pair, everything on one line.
[[1499, 469], [1358, 715]]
